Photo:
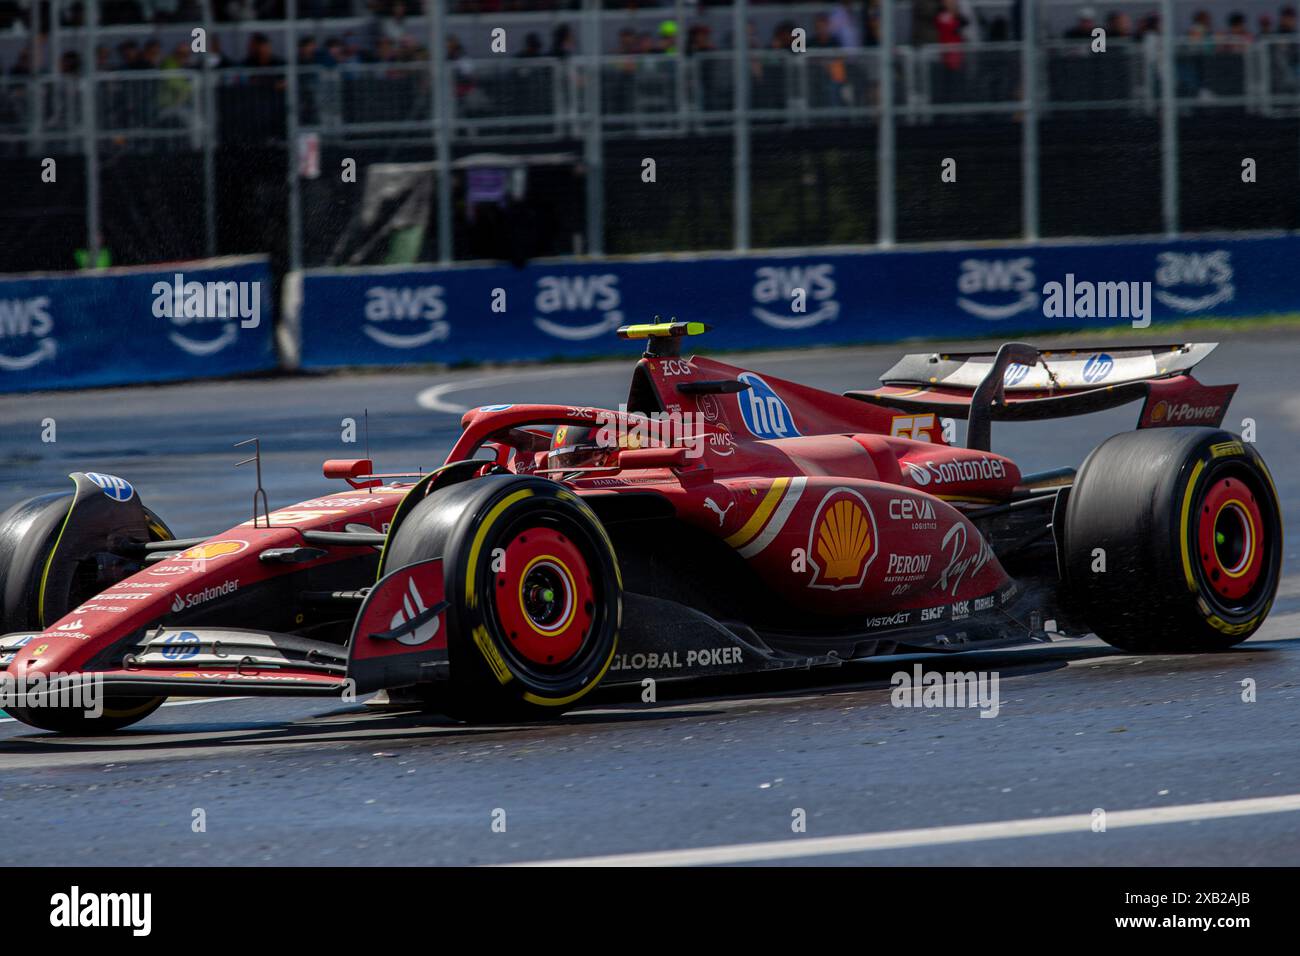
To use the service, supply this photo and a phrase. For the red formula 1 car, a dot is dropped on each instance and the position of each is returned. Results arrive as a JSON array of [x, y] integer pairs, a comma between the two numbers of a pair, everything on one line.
[[721, 522]]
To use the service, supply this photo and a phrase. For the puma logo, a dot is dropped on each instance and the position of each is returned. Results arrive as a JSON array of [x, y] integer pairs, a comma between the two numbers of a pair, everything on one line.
[[720, 512]]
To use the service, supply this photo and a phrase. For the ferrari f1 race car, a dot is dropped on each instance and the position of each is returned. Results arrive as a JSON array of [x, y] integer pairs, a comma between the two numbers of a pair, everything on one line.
[[721, 522]]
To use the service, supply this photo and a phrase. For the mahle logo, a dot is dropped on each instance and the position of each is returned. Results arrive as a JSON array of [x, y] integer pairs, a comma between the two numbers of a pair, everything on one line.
[[779, 285], [997, 289], [195, 306], [406, 317], [25, 327], [593, 302]]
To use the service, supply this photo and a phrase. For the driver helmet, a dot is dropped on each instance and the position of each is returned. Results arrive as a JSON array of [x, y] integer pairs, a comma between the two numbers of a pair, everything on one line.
[[576, 446]]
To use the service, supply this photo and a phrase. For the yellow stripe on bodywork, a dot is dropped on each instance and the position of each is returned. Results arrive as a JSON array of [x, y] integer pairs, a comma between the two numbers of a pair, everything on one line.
[[1184, 525], [760, 515], [481, 533]]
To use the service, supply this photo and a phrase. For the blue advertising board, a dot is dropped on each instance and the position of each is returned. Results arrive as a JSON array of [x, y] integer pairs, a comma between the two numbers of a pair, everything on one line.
[[122, 326], [386, 316]]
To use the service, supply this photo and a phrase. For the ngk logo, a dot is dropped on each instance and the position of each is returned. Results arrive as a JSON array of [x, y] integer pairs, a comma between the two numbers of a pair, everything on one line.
[[1182, 412]]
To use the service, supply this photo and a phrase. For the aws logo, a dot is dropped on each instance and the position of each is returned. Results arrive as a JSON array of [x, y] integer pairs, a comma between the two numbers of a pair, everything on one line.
[[1209, 273], [193, 307], [405, 317], [763, 411], [843, 541], [25, 327], [591, 303], [1005, 287], [793, 287]]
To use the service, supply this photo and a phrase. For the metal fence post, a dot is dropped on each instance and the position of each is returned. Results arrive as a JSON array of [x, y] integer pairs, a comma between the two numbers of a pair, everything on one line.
[[208, 97], [1168, 119], [594, 143], [291, 129], [441, 105], [90, 125], [1029, 119], [740, 97], [885, 158]]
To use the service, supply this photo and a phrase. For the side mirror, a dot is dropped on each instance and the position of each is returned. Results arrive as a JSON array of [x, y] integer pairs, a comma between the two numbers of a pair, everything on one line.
[[351, 470]]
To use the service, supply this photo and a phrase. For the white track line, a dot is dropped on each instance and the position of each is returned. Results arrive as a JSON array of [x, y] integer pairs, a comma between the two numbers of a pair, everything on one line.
[[170, 703], [433, 398], [936, 836]]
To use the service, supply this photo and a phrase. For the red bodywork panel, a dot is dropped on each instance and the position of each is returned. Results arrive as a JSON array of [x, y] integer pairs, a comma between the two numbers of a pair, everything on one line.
[[832, 512]]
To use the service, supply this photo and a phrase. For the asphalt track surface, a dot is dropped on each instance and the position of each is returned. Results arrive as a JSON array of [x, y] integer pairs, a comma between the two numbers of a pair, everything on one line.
[[1187, 772]]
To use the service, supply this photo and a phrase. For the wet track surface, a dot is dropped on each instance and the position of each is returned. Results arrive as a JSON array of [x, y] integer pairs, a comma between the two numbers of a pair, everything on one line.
[[1081, 726]]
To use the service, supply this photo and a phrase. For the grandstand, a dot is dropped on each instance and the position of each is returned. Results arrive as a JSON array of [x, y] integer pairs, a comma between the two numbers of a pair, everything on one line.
[[168, 152]]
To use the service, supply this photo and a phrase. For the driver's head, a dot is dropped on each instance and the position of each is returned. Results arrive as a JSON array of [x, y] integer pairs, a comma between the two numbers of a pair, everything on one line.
[[575, 446]]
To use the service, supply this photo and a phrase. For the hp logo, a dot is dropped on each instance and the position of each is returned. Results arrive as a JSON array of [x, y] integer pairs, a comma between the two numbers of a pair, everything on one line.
[[765, 415]]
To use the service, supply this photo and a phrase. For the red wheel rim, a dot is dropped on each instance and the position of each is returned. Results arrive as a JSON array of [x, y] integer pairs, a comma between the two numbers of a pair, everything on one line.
[[1230, 538], [544, 596]]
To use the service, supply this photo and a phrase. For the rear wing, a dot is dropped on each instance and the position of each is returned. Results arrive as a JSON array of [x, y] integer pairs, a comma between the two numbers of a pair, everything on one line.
[[1020, 383]]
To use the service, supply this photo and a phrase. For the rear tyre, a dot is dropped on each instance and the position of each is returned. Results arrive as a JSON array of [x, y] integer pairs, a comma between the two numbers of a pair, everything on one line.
[[534, 590], [29, 534], [1173, 540]]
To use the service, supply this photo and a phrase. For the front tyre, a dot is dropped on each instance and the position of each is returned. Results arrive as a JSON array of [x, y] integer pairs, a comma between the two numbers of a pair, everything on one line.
[[1173, 540], [117, 713], [44, 574], [534, 590]]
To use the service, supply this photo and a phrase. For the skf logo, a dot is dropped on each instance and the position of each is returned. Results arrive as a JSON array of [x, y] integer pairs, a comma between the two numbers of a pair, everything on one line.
[[420, 309], [563, 295], [783, 284], [843, 541], [1001, 279], [763, 411]]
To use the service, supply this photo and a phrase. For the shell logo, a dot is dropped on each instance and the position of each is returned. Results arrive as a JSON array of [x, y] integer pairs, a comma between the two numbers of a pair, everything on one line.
[[213, 549], [1160, 411], [843, 541]]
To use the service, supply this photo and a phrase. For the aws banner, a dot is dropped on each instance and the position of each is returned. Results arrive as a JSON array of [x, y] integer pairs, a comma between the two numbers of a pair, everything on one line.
[[380, 317], [122, 326]]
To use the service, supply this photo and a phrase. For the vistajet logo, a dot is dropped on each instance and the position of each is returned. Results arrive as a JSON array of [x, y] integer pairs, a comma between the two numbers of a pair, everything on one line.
[[77, 909]]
